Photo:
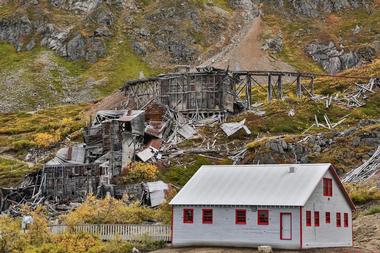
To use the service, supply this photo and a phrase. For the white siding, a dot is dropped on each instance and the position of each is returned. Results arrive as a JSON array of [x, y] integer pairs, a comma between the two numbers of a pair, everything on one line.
[[327, 235], [224, 231]]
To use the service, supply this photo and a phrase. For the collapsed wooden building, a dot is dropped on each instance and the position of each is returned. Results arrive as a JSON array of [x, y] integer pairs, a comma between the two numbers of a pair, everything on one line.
[[211, 90]]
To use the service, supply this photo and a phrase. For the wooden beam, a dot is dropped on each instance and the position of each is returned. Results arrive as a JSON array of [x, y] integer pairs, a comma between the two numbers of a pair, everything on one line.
[[299, 86], [270, 88], [279, 87]]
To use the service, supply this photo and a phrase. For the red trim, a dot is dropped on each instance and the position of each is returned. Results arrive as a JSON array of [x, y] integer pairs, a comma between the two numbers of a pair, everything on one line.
[[316, 219], [327, 187], [327, 218], [171, 226], [308, 218], [192, 216], [291, 232], [203, 216], [340, 185], [345, 220], [258, 217], [236, 217], [301, 223], [338, 220]]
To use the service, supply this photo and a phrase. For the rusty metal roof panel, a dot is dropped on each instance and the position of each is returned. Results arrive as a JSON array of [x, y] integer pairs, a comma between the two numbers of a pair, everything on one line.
[[257, 185]]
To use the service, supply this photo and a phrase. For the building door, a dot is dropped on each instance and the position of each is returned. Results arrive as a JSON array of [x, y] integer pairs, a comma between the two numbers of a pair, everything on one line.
[[285, 226]]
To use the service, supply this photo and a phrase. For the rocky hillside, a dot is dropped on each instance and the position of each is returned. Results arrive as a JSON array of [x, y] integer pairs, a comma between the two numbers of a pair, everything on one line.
[[60, 51]]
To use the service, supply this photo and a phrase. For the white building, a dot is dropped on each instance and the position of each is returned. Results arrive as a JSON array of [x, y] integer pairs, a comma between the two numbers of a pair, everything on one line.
[[284, 206]]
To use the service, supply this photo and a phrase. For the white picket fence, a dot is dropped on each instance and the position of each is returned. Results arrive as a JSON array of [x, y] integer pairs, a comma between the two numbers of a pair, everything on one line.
[[125, 232]]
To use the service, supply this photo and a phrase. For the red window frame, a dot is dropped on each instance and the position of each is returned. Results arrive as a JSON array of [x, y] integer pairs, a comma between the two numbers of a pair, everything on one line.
[[240, 216], [186, 219], [207, 216], [338, 220], [316, 219], [345, 220], [327, 217], [327, 187], [308, 218], [263, 220]]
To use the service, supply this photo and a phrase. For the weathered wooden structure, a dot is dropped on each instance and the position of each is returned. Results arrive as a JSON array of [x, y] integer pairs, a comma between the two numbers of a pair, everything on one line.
[[210, 90], [70, 181]]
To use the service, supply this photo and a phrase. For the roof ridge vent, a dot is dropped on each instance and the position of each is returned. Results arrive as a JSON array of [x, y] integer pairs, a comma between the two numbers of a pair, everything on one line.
[[292, 169]]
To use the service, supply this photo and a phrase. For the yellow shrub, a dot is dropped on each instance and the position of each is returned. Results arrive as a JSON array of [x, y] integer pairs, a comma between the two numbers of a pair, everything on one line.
[[67, 122], [45, 140], [11, 237], [139, 172], [363, 194], [108, 211]]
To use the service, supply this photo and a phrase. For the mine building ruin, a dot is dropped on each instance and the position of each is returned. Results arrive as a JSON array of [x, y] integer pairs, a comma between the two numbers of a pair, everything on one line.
[[211, 90], [158, 113]]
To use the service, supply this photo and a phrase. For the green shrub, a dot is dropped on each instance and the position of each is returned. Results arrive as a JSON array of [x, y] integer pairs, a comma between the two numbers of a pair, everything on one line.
[[361, 195], [373, 210]]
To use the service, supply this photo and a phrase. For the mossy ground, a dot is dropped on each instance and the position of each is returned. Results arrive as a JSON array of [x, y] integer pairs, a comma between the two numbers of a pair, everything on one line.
[[18, 132], [298, 31]]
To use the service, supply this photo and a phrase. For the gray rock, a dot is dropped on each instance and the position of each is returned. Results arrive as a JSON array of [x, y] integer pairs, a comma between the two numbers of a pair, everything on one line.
[[104, 17], [334, 60], [103, 32], [349, 60], [14, 29], [96, 48], [139, 48], [274, 45], [30, 45], [366, 54], [76, 48]]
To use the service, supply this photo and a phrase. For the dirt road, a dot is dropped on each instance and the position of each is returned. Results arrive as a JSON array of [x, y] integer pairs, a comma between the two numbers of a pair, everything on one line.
[[230, 250]]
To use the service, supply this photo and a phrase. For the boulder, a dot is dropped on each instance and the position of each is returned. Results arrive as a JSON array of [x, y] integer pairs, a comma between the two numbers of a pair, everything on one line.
[[76, 48]]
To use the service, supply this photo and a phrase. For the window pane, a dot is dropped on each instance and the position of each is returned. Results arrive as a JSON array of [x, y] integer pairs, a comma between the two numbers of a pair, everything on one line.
[[263, 217], [345, 219], [241, 217], [207, 216], [316, 219], [308, 218], [338, 221], [328, 218], [188, 215]]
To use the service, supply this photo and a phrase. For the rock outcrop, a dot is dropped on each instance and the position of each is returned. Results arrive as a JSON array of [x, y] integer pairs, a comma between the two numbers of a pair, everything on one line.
[[316, 8], [334, 60]]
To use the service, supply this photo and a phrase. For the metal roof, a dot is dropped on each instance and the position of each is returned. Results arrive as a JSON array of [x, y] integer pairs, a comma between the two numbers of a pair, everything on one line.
[[256, 185]]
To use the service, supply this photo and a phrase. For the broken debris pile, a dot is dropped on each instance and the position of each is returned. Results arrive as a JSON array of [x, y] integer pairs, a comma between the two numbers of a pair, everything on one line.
[[365, 171]]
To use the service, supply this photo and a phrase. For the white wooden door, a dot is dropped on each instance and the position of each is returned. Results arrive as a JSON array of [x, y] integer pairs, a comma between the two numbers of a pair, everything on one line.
[[285, 226]]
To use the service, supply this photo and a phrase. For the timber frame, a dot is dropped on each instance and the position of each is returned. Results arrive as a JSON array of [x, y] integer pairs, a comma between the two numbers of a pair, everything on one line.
[[211, 90]]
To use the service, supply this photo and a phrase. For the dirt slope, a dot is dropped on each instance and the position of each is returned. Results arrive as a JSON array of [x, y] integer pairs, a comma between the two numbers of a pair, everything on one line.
[[246, 53]]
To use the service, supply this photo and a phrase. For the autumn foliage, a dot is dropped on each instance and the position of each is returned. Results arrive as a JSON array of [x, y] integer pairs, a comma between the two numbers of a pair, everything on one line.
[[138, 172]]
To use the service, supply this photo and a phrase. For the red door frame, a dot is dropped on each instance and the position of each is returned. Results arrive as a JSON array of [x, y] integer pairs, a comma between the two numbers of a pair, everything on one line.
[[291, 232]]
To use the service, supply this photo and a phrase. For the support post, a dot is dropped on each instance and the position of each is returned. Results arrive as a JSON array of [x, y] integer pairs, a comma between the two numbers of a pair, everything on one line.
[[299, 87], [312, 86], [270, 88], [279, 86], [248, 92]]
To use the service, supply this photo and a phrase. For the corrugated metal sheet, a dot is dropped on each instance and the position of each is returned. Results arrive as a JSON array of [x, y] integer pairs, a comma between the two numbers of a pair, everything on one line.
[[262, 185], [157, 192]]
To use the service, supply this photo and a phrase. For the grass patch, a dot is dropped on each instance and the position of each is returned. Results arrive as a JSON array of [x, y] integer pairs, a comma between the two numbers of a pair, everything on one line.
[[362, 194], [12, 171], [373, 210], [10, 58], [181, 172]]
